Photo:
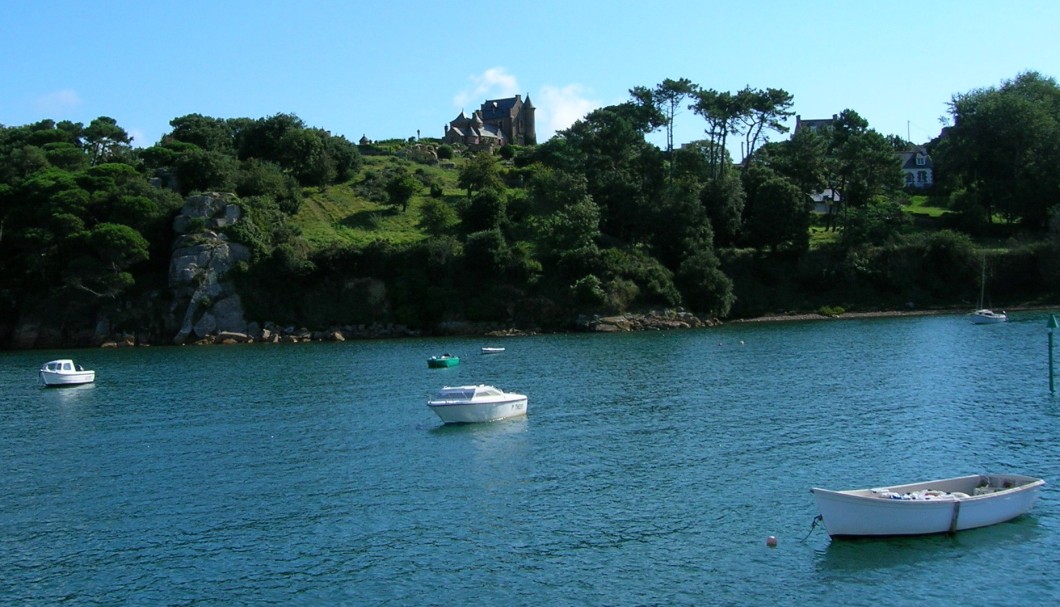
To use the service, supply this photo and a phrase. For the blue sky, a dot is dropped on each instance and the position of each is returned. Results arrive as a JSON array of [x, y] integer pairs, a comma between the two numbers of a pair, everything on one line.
[[398, 68]]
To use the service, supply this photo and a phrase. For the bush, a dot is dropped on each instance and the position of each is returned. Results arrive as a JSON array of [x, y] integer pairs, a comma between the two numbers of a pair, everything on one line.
[[588, 291], [437, 217]]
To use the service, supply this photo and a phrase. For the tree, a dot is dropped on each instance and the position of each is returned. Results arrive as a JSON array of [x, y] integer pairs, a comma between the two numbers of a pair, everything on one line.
[[723, 200], [482, 172], [263, 138], [575, 227], [802, 159], [437, 217], [400, 189], [623, 173], [863, 163], [551, 190], [305, 155], [766, 109], [681, 226], [486, 211], [666, 98], [344, 156], [704, 287], [199, 170], [262, 178], [1005, 145], [874, 224], [64, 155], [723, 113], [106, 141], [210, 134], [779, 216], [486, 254]]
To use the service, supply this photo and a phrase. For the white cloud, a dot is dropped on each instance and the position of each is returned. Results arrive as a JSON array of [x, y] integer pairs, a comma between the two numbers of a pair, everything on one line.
[[55, 105], [494, 83], [139, 140], [560, 107]]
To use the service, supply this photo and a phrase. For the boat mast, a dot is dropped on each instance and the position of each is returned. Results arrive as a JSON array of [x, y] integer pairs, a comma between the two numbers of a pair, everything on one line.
[[982, 284]]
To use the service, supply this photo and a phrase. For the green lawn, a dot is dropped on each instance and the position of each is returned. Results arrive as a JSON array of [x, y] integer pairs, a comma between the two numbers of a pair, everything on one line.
[[820, 237], [930, 206], [340, 215]]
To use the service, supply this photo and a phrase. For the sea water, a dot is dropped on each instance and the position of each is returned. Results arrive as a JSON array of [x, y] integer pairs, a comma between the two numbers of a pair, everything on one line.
[[650, 470]]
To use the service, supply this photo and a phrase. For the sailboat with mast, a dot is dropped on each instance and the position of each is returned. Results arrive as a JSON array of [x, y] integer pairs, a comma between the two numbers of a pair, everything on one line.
[[986, 316]]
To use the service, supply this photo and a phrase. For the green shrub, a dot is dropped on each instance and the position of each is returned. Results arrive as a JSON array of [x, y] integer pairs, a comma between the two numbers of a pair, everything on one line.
[[588, 291]]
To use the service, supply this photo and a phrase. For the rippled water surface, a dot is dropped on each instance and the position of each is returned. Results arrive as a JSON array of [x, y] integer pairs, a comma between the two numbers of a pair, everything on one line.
[[650, 470]]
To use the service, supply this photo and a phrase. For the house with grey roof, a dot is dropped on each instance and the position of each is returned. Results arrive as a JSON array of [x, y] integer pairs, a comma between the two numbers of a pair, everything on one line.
[[916, 168]]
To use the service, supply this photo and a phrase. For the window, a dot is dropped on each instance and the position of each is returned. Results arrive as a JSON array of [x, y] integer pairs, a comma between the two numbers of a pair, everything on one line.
[[920, 160]]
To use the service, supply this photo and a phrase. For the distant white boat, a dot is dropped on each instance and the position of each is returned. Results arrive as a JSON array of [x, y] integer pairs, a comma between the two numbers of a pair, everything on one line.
[[466, 404], [986, 317], [65, 372], [489, 350], [942, 506]]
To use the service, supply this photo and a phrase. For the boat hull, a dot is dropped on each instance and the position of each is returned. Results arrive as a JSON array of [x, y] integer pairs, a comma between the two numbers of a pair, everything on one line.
[[987, 317], [53, 379], [868, 513], [466, 413], [442, 363]]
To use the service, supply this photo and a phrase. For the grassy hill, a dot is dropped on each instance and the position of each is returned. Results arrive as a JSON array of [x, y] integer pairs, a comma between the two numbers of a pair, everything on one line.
[[356, 213]]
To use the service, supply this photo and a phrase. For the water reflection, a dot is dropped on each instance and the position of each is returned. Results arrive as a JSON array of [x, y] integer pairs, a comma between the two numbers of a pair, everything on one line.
[[484, 430], [69, 391]]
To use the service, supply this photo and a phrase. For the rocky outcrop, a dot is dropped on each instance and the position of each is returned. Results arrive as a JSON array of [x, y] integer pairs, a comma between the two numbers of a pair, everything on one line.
[[421, 153], [206, 303], [653, 320], [271, 333]]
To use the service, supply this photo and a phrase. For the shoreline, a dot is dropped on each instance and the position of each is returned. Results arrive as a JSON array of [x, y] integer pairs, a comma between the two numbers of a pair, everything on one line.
[[875, 314], [652, 321], [844, 315]]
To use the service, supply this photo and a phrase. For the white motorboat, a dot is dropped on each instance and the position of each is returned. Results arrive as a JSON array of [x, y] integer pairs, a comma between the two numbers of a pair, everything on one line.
[[482, 403], [65, 373], [492, 350], [942, 506], [986, 317]]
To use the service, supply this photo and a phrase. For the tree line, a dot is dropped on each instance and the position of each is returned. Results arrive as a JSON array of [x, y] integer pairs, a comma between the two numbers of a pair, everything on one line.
[[595, 220]]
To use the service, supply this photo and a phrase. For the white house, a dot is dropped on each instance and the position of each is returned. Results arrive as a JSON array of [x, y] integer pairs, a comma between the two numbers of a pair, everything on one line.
[[916, 168]]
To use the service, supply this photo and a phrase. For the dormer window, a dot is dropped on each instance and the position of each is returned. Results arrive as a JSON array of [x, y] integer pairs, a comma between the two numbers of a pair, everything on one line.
[[920, 160]]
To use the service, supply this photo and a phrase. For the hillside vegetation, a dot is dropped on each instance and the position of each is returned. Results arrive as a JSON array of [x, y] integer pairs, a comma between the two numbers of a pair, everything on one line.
[[595, 221], [348, 215]]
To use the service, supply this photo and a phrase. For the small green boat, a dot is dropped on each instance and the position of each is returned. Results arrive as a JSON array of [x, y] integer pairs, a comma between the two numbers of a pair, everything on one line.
[[443, 361]]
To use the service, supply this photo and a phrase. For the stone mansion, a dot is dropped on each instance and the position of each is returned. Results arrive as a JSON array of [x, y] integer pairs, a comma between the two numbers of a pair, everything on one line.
[[497, 123]]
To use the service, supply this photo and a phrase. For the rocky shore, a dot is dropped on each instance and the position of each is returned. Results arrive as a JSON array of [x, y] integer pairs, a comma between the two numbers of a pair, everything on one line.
[[845, 315], [654, 320]]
